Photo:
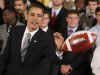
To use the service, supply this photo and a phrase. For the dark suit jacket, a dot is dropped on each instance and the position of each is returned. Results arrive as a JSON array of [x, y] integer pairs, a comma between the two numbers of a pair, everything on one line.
[[60, 20], [1, 16], [65, 31], [78, 61], [38, 60]]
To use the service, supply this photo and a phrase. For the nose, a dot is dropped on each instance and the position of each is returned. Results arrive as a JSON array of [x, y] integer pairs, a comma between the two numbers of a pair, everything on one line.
[[35, 17], [17, 7]]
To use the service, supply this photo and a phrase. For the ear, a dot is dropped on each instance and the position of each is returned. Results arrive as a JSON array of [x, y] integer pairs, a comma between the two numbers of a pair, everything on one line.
[[25, 13]]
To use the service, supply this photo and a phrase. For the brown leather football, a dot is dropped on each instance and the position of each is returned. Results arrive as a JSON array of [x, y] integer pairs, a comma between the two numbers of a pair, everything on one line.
[[79, 41]]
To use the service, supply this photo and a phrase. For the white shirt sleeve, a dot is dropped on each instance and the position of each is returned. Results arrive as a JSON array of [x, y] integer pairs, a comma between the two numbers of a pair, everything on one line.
[[95, 64]]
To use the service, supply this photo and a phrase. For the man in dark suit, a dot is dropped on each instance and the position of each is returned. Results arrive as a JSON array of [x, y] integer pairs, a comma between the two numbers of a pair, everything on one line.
[[74, 63], [58, 16], [37, 57]]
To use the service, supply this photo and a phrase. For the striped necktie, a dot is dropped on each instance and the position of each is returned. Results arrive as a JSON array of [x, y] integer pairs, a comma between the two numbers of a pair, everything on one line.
[[26, 44]]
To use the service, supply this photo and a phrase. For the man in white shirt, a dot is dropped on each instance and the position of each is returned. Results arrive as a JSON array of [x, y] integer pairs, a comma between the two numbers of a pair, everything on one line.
[[95, 64]]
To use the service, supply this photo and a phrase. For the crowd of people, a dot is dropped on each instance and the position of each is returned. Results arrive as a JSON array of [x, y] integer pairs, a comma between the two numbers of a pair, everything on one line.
[[32, 36]]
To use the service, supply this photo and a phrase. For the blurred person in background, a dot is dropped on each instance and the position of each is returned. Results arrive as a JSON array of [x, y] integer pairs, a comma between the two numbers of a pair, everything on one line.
[[57, 16], [20, 7], [9, 21], [95, 64], [96, 28], [74, 63], [92, 5], [2, 6], [44, 25], [81, 7], [9, 18]]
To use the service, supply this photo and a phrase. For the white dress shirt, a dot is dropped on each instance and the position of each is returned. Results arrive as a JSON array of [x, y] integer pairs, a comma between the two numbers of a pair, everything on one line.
[[96, 29], [74, 29], [27, 31], [45, 29], [57, 11], [95, 64]]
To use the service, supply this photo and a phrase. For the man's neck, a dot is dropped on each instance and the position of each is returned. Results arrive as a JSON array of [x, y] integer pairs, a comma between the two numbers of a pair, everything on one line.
[[57, 7], [92, 14]]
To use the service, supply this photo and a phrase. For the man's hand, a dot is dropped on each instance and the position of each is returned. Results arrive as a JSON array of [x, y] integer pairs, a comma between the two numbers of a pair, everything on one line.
[[58, 38], [65, 69]]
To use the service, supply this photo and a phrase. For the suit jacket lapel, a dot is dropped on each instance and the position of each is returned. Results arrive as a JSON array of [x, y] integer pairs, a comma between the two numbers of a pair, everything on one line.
[[60, 14], [19, 41], [35, 39]]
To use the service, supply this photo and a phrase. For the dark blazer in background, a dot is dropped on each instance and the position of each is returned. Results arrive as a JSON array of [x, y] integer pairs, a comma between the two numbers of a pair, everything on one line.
[[60, 20], [38, 60]]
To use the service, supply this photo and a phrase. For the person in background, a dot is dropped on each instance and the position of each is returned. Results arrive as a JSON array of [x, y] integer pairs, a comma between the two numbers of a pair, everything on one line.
[[96, 28], [20, 7], [44, 25], [81, 7], [2, 6], [92, 5], [9, 18], [74, 63], [57, 15], [72, 23], [9, 21]]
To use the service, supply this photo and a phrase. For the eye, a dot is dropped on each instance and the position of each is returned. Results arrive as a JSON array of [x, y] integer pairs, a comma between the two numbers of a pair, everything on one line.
[[39, 15], [32, 14]]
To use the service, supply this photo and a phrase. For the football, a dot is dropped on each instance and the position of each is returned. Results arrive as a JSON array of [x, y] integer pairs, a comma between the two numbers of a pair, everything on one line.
[[79, 41]]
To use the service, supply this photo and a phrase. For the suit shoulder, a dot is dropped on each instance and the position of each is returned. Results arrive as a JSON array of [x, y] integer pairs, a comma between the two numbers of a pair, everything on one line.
[[17, 28], [45, 35], [65, 10]]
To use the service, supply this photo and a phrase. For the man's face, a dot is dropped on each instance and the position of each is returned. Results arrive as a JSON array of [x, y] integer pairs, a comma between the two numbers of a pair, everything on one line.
[[92, 6], [19, 6], [45, 21], [34, 18], [57, 2], [72, 20]]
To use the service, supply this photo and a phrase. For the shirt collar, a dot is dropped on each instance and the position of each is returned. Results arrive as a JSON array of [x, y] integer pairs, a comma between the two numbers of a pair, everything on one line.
[[32, 33], [45, 29], [57, 11]]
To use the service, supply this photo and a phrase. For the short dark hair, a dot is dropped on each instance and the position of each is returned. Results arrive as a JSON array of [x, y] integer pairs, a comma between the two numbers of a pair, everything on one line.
[[97, 9], [92, 1], [24, 1], [46, 11], [72, 12], [36, 4]]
